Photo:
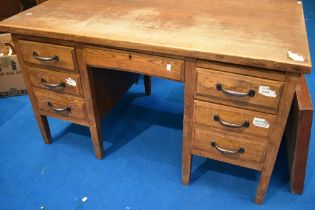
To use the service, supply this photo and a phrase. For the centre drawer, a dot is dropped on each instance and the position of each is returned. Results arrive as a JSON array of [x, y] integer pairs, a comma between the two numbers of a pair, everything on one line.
[[55, 81], [64, 106], [170, 68], [230, 119], [248, 153], [238, 89]]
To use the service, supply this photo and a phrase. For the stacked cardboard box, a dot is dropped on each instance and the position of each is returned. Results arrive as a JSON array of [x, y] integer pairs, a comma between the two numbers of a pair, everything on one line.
[[11, 79]]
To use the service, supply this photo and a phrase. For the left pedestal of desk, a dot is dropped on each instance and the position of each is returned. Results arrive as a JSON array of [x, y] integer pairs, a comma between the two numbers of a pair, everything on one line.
[[59, 87]]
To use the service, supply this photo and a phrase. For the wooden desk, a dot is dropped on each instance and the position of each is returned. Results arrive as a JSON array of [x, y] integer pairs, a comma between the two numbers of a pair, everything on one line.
[[231, 55]]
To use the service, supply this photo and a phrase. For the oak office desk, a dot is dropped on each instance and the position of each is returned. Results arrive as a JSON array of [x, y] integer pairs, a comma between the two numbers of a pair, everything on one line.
[[231, 55]]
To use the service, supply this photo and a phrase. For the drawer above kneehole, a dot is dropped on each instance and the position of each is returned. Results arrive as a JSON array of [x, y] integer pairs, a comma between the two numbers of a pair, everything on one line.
[[60, 82], [239, 90], [47, 55], [170, 68]]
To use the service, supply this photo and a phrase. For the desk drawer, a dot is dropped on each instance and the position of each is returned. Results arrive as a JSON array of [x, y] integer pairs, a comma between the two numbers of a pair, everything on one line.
[[56, 81], [229, 149], [136, 62], [232, 120], [239, 89], [55, 105], [41, 54]]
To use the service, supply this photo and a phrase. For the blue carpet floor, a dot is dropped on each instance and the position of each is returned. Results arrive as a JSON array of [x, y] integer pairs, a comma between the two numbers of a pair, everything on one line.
[[142, 167]]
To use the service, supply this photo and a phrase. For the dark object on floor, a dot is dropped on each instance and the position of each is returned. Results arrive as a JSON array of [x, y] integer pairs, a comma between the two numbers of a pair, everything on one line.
[[297, 135], [28, 4], [40, 1], [147, 85], [9, 8]]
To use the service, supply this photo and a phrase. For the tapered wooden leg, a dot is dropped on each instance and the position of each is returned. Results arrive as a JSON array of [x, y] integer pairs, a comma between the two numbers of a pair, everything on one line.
[[97, 141], [147, 85], [87, 79], [186, 167], [276, 135], [43, 127], [190, 69]]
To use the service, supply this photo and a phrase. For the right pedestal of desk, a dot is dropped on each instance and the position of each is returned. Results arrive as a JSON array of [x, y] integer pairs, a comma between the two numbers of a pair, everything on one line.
[[236, 114]]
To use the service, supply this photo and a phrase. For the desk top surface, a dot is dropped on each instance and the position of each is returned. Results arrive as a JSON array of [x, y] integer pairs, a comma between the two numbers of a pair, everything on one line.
[[248, 32]]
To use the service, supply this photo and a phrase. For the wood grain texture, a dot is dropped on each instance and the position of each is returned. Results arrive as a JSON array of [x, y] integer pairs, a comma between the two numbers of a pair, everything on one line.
[[76, 106], [297, 135], [41, 119], [143, 36], [276, 135], [205, 113], [254, 151], [233, 104], [71, 82], [242, 70], [65, 54], [135, 62], [236, 32], [207, 81], [93, 115], [190, 75]]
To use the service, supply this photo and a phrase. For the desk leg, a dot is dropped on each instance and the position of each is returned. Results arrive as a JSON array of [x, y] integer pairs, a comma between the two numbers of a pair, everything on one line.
[[147, 85], [190, 69], [276, 136], [95, 130], [90, 102], [43, 127], [41, 119]]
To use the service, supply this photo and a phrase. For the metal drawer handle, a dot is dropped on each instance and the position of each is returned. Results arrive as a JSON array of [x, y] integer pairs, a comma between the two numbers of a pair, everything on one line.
[[217, 118], [250, 93], [41, 58], [55, 109], [233, 152], [52, 85]]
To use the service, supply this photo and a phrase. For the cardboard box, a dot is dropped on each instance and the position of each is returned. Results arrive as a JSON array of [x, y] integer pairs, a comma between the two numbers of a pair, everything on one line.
[[11, 78]]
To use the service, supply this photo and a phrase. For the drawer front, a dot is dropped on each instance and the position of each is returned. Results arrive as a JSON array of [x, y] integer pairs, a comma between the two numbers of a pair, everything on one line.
[[60, 105], [56, 81], [240, 89], [229, 119], [140, 63], [227, 148], [41, 54]]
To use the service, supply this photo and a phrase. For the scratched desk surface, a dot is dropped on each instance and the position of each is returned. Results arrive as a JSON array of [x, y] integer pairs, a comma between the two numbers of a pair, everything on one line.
[[249, 32]]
